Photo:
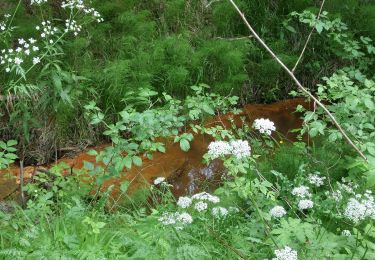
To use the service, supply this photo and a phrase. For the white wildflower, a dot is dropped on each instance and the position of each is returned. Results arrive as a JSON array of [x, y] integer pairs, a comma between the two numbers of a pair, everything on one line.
[[184, 218], [18, 61], [200, 206], [159, 180], [316, 179], [218, 149], [219, 212], [240, 149], [233, 210], [264, 126], [206, 196], [36, 60], [346, 233], [7, 70], [305, 204], [38, 2], [168, 218], [358, 210], [277, 212], [184, 202], [301, 191], [285, 254]]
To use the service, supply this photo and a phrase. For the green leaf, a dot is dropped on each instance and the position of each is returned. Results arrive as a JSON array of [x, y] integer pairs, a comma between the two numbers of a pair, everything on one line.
[[127, 162], [137, 160], [369, 103], [124, 186], [12, 142], [92, 153], [184, 145]]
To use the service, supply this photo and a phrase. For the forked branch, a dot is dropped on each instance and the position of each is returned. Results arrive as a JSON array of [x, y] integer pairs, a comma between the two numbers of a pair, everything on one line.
[[291, 74]]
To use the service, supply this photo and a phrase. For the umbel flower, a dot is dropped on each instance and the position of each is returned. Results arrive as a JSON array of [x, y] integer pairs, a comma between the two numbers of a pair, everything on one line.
[[159, 180], [184, 202], [286, 253], [264, 126], [360, 208], [305, 204], [238, 148], [277, 212], [301, 192]]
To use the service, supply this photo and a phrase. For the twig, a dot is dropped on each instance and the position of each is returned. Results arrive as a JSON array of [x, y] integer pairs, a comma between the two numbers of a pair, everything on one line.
[[235, 39], [291, 74], [21, 183], [308, 37]]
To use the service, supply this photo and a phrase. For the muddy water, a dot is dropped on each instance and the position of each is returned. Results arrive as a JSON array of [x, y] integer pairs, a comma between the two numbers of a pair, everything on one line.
[[184, 170]]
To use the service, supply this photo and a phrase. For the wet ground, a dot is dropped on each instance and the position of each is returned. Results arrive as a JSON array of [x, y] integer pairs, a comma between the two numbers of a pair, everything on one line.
[[184, 170]]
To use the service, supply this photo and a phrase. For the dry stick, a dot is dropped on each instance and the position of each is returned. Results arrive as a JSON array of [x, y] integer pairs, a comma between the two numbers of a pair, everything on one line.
[[350, 142], [21, 183], [308, 37]]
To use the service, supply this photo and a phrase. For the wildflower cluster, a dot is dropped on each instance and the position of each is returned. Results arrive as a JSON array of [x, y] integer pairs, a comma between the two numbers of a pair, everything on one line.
[[264, 126], [360, 207], [47, 31], [316, 179], [286, 253], [177, 219], [238, 148], [277, 212], [303, 193], [38, 2], [3, 24], [15, 57], [159, 180], [79, 5], [71, 25]]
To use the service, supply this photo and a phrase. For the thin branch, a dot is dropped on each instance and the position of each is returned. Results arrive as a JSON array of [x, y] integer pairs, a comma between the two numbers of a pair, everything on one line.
[[304, 90], [308, 37]]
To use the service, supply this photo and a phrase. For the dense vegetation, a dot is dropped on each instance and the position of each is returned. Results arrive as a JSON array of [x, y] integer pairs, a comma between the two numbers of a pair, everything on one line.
[[139, 73]]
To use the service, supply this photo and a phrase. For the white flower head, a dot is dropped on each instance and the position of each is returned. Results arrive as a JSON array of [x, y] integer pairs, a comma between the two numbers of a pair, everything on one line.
[[240, 149], [219, 212], [277, 212], [316, 179], [286, 253], [36, 60], [305, 204], [159, 180], [346, 233], [218, 149], [264, 126], [302, 192], [185, 218], [18, 61], [200, 206], [204, 196], [38, 2], [360, 209], [184, 202]]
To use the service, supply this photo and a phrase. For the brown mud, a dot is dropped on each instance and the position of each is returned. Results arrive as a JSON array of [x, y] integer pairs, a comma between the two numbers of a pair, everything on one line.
[[184, 170]]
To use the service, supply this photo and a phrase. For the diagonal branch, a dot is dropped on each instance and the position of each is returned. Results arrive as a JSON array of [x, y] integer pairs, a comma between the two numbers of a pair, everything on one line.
[[303, 89], [308, 37]]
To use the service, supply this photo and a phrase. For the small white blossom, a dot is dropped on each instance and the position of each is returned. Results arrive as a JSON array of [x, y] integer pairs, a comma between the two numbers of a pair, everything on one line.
[[240, 149], [18, 61], [264, 126], [346, 233], [301, 191], [38, 2], [286, 253], [184, 202], [305, 204], [7, 70], [360, 209], [218, 149], [185, 218], [219, 212], [316, 179], [168, 218], [200, 206], [159, 180], [277, 212], [36, 60], [206, 197]]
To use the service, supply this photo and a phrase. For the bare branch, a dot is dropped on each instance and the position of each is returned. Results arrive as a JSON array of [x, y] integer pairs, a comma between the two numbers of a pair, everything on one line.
[[304, 90], [308, 37]]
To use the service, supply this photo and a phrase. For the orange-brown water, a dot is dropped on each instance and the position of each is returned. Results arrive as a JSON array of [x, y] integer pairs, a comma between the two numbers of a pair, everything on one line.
[[184, 170]]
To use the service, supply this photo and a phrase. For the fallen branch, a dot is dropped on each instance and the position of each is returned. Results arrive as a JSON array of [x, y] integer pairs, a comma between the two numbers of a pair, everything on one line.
[[308, 37], [291, 74]]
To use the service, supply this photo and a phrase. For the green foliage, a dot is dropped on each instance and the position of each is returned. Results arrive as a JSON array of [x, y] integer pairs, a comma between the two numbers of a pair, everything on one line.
[[7, 153]]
